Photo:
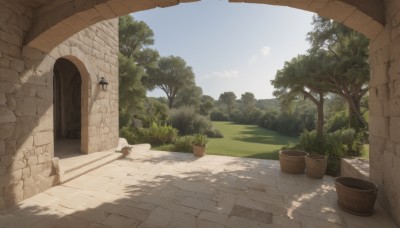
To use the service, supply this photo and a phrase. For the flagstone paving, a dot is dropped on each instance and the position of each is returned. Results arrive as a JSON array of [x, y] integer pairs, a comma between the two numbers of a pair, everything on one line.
[[161, 189]]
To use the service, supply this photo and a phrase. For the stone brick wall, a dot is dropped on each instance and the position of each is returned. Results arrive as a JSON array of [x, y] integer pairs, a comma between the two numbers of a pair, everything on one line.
[[385, 110], [26, 100]]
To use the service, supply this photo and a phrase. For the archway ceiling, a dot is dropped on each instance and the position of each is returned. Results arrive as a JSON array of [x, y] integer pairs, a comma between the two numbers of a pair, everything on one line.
[[56, 20]]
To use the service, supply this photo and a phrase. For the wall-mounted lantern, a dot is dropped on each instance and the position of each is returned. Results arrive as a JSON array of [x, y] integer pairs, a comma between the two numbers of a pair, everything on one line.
[[103, 83]]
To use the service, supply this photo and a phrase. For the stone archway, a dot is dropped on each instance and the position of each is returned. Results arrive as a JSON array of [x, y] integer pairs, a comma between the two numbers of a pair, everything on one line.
[[56, 21], [76, 87], [67, 108]]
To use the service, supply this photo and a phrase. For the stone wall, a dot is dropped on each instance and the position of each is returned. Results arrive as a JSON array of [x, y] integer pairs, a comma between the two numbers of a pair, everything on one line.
[[26, 100], [385, 110]]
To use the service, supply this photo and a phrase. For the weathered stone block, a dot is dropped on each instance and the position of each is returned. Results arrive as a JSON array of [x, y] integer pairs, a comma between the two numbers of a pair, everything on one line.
[[26, 107], [394, 129], [6, 115], [379, 126], [7, 75], [2, 147], [43, 138]]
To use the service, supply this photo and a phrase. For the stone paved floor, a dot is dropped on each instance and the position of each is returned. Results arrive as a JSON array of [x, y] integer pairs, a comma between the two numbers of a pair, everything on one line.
[[160, 189]]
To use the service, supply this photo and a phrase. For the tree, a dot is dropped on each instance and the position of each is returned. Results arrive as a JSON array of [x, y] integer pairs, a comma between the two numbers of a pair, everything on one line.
[[206, 105], [189, 96], [171, 75], [133, 36], [134, 59], [343, 55], [299, 78], [249, 101], [228, 98]]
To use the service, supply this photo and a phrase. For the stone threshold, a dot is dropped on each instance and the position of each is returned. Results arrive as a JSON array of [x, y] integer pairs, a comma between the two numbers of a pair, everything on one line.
[[84, 163]]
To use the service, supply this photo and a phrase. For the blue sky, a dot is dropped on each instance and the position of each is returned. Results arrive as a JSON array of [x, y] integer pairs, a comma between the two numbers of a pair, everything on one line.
[[231, 46]]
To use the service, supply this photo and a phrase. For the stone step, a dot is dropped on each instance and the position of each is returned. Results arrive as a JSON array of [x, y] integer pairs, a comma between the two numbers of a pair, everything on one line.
[[85, 160], [87, 167]]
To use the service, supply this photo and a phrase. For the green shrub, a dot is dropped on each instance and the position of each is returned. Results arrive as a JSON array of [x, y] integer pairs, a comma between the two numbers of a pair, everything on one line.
[[214, 133], [335, 145], [188, 122], [338, 121], [218, 116], [129, 135], [157, 135], [200, 140], [183, 144]]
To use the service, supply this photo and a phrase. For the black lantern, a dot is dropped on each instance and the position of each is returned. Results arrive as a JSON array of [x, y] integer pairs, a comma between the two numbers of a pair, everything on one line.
[[103, 83]]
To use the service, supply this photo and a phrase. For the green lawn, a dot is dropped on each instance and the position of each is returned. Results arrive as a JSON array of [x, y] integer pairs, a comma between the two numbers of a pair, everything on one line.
[[247, 141], [244, 141]]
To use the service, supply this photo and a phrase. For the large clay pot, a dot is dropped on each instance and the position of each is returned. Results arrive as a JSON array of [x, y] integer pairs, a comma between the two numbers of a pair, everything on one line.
[[355, 195], [199, 151], [316, 165], [292, 161]]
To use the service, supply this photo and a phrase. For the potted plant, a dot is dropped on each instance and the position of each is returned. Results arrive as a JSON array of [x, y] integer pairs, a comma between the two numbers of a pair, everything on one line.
[[316, 165], [355, 195], [199, 144]]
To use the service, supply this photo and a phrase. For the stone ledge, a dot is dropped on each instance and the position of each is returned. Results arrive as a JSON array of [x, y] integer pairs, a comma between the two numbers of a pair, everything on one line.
[[355, 167]]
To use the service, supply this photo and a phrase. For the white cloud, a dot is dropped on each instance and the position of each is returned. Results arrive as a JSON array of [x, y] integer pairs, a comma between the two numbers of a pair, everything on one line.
[[263, 52], [223, 74]]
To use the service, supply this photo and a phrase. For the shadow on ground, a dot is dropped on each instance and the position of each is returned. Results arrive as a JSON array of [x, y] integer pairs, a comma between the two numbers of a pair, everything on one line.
[[160, 189]]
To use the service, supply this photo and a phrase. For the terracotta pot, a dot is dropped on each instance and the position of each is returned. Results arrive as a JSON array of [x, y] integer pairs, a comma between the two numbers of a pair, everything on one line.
[[292, 161], [355, 195], [199, 151], [316, 165], [126, 151]]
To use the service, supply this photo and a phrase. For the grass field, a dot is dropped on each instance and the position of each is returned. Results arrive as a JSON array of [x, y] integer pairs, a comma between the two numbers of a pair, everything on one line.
[[249, 141], [245, 141]]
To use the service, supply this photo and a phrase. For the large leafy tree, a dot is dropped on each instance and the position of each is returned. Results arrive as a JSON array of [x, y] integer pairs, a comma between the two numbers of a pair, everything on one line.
[[343, 55], [189, 96], [229, 99], [171, 75], [134, 59], [300, 79]]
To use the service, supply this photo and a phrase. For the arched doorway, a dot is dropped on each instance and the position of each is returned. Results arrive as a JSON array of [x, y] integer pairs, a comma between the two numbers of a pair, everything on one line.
[[67, 95]]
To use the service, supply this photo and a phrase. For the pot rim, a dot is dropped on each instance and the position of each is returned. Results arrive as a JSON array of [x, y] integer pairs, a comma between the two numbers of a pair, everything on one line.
[[300, 153], [316, 156], [356, 179]]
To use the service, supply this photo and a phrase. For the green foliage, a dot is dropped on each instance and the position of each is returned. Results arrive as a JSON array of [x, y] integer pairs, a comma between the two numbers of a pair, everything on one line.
[[200, 140], [188, 122], [206, 105], [157, 135], [214, 133], [154, 111], [134, 59], [218, 115], [128, 134], [334, 145], [189, 96], [249, 101], [229, 99], [337, 121], [171, 75], [343, 57], [183, 144], [133, 35]]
